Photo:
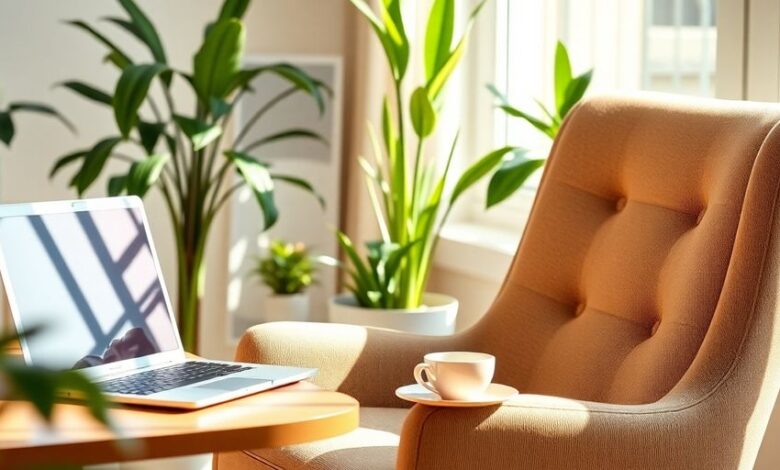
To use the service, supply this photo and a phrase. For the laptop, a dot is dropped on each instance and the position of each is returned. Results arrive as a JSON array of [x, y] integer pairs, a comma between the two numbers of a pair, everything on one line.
[[87, 273]]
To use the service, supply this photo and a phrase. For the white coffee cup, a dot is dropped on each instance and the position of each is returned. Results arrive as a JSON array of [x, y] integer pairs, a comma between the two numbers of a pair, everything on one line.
[[456, 375]]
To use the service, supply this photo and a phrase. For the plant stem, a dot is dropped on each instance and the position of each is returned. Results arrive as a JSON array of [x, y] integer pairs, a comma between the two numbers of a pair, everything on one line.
[[215, 192], [229, 192], [415, 179], [260, 112], [179, 137], [400, 212], [215, 147]]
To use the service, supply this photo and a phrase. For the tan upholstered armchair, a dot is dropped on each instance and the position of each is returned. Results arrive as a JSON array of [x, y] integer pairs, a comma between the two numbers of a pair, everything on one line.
[[638, 318]]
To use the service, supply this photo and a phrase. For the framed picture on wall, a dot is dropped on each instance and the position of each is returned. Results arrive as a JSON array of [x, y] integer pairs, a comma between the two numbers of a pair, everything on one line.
[[301, 218]]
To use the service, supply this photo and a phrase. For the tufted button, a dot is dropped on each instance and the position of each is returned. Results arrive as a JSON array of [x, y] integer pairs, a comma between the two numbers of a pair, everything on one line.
[[700, 216], [655, 327], [579, 309], [620, 204]]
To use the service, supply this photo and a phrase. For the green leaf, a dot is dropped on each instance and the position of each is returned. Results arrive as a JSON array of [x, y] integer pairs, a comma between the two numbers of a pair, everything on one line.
[[131, 91], [145, 173], [477, 171], [396, 257], [116, 59], [384, 38], [200, 133], [286, 134], [34, 384], [170, 143], [144, 30], [94, 161], [362, 274], [150, 133], [219, 107], [421, 112], [394, 27], [117, 185], [551, 116], [562, 74], [6, 128], [510, 176], [40, 385], [438, 36], [88, 91], [233, 9], [218, 60], [294, 75], [257, 177], [494, 91], [117, 56], [62, 162], [436, 83], [544, 127], [301, 183], [388, 131], [41, 109], [575, 92], [91, 393], [124, 24], [301, 79]]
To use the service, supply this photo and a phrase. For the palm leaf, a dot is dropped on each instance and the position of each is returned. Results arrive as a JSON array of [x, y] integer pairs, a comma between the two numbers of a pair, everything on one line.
[[284, 135], [256, 176], [131, 91], [117, 56]]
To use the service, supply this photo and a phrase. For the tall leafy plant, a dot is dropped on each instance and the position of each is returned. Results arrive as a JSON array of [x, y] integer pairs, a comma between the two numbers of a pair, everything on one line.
[[408, 187], [181, 152], [569, 89]]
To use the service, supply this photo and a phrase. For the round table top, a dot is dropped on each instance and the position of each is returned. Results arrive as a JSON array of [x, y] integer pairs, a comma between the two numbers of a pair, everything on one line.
[[292, 414]]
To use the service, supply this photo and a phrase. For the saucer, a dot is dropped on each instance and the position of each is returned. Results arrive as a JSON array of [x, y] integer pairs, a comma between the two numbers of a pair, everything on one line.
[[493, 395]]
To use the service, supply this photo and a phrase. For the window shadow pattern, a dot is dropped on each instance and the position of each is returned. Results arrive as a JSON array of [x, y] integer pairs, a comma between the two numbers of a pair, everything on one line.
[[108, 345]]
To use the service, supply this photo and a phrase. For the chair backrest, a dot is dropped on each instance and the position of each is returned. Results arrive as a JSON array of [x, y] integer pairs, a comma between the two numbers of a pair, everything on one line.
[[624, 258]]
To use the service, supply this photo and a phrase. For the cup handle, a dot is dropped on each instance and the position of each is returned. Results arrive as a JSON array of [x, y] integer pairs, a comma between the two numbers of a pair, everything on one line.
[[418, 376]]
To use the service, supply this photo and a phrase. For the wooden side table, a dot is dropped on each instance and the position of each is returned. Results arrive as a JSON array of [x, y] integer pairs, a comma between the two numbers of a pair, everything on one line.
[[293, 414]]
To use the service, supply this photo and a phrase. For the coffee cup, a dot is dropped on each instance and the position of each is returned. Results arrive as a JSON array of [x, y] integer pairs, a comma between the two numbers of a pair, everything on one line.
[[456, 375]]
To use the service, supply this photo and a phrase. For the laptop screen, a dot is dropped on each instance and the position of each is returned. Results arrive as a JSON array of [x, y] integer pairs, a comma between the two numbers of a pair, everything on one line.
[[90, 280]]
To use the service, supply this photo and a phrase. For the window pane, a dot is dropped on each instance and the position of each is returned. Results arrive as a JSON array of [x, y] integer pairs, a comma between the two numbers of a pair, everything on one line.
[[659, 45], [680, 47]]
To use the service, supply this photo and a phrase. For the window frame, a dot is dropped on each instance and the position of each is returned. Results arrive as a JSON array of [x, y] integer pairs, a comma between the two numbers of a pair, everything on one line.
[[737, 77]]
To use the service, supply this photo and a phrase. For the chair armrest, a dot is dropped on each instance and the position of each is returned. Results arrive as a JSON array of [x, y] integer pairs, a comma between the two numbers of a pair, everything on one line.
[[538, 432], [366, 363]]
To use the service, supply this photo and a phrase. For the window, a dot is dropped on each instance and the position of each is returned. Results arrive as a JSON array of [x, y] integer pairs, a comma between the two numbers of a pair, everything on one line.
[[659, 45]]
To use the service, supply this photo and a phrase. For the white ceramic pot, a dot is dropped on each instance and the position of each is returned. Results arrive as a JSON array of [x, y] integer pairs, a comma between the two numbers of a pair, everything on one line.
[[435, 317], [290, 307]]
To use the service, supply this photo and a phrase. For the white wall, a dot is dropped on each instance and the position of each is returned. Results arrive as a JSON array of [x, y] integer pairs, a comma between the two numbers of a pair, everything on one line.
[[37, 50]]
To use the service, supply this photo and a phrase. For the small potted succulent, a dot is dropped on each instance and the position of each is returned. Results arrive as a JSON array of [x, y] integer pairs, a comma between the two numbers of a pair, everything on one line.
[[288, 270]]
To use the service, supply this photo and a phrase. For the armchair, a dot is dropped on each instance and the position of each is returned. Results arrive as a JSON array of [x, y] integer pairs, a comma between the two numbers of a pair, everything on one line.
[[637, 319]]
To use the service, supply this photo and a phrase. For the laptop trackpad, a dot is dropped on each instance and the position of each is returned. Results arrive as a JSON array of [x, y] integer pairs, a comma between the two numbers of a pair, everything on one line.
[[232, 383]]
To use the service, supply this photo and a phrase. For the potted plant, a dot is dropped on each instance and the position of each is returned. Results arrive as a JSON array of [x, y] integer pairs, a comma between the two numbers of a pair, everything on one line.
[[180, 152], [288, 270], [409, 188]]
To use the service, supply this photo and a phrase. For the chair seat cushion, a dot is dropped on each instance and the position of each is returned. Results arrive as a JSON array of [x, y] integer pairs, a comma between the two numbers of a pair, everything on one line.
[[373, 445]]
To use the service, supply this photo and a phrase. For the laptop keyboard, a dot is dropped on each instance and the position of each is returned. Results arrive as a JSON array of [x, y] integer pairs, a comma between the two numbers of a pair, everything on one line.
[[167, 378]]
